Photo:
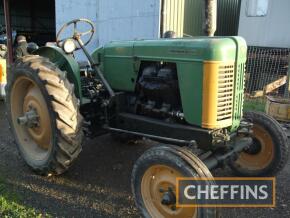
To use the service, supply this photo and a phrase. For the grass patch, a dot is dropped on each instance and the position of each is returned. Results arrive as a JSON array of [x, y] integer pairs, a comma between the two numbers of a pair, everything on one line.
[[255, 104], [10, 206]]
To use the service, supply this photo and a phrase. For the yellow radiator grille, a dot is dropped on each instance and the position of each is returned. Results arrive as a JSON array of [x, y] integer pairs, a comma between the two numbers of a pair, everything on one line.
[[225, 92], [218, 91]]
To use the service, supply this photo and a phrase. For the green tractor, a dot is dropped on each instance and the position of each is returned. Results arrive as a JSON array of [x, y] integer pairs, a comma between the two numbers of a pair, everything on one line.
[[185, 93]]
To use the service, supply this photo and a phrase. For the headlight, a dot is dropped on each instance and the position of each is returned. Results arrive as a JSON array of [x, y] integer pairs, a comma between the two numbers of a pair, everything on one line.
[[69, 46]]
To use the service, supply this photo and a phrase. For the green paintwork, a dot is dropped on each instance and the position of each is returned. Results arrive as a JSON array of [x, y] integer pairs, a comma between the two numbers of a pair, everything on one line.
[[120, 62], [241, 58], [119, 66], [64, 62], [190, 77]]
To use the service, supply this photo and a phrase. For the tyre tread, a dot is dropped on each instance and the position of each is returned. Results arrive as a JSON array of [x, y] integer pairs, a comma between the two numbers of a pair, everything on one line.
[[64, 104]]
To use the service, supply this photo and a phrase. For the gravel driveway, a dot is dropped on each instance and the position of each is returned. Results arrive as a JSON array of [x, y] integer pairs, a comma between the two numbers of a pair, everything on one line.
[[98, 184]]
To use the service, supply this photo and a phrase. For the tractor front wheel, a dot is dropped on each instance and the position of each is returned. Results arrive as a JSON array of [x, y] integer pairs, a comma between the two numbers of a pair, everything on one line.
[[268, 153], [44, 115], [154, 182]]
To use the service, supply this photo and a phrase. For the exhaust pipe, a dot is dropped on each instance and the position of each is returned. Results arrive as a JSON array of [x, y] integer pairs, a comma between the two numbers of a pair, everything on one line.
[[210, 17]]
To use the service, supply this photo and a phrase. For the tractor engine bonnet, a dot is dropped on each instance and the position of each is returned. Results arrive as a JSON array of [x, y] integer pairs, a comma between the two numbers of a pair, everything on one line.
[[209, 72]]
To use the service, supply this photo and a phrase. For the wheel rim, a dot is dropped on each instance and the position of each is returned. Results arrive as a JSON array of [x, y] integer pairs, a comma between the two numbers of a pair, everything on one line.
[[34, 134], [158, 181], [262, 155]]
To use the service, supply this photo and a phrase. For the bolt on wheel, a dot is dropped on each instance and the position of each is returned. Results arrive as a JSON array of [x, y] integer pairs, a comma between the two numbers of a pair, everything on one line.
[[158, 189], [31, 118], [154, 182], [268, 153], [260, 154], [44, 115]]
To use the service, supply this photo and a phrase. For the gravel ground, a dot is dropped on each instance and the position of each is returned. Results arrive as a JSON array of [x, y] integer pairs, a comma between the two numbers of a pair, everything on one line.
[[98, 184]]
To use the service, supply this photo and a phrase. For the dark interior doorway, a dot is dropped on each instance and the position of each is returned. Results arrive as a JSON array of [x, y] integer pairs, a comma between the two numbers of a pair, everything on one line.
[[33, 18]]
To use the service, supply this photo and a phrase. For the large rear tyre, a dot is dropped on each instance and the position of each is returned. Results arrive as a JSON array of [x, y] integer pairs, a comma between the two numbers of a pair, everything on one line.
[[44, 115], [154, 182], [269, 151]]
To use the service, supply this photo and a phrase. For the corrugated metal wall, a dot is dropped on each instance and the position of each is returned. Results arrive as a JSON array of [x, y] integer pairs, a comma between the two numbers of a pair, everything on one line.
[[193, 18], [228, 17], [173, 16], [189, 22]]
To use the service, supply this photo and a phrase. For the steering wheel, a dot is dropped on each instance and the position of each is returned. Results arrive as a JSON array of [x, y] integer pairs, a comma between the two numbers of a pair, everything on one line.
[[76, 34]]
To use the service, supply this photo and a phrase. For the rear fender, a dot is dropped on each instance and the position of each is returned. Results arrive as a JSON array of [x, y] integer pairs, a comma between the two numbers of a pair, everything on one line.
[[64, 62]]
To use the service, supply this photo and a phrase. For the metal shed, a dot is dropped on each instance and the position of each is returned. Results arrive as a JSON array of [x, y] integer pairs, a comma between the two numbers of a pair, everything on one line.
[[186, 19], [119, 20], [265, 23]]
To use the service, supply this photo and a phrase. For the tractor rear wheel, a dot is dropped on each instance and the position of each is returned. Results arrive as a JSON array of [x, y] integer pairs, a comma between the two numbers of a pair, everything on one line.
[[268, 153], [44, 115], [154, 182]]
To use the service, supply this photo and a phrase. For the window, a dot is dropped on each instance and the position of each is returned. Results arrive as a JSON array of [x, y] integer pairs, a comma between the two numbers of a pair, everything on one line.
[[257, 8]]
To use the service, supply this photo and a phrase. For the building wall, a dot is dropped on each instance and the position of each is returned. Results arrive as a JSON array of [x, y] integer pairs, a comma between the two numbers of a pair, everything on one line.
[[68, 10], [173, 16], [114, 19], [128, 19], [193, 19], [228, 12], [269, 31]]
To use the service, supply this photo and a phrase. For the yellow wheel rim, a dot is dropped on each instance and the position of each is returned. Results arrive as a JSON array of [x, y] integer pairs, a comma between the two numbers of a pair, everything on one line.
[[156, 182], [263, 156], [36, 141]]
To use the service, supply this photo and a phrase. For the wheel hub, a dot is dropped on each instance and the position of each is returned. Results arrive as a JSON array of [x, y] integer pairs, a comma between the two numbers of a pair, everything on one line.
[[159, 193], [31, 118], [260, 154], [38, 116], [255, 148], [168, 198]]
